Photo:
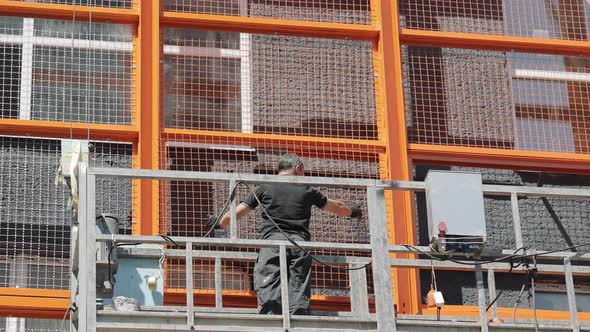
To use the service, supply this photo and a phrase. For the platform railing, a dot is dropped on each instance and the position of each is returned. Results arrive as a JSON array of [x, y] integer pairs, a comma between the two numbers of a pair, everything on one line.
[[379, 250]]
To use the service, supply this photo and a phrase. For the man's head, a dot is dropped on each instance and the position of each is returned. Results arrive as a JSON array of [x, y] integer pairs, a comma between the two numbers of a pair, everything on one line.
[[290, 164]]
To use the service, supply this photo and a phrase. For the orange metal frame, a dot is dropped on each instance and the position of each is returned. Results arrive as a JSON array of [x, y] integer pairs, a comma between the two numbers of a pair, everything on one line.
[[396, 155], [391, 99], [259, 25], [42, 128], [65, 12], [149, 115]]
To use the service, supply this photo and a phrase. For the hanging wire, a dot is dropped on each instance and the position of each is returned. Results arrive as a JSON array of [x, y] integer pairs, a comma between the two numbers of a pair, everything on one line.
[[90, 69], [72, 74], [534, 295], [432, 276]]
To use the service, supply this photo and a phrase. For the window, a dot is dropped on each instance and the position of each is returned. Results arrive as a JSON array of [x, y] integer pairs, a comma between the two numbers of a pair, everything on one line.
[[65, 71], [554, 297], [532, 134], [544, 87], [207, 80]]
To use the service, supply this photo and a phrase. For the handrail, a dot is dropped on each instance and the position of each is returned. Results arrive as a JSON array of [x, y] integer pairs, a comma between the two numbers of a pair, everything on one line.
[[377, 251]]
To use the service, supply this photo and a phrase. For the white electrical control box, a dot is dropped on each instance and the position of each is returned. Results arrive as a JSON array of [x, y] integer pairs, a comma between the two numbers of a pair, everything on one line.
[[456, 216]]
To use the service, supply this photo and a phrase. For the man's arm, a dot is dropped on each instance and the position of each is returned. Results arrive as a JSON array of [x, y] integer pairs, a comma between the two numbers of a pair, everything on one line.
[[340, 209], [241, 210]]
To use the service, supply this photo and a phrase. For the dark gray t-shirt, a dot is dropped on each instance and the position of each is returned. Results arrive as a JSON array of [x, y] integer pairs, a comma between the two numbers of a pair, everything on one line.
[[288, 205]]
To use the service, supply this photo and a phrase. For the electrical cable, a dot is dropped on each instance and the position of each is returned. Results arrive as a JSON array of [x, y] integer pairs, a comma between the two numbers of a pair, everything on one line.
[[510, 257], [517, 303], [169, 239], [442, 259], [293, 242], [494, 300], [495, 260], [61, 325], [533, 275], [112, 280], [225, 206]]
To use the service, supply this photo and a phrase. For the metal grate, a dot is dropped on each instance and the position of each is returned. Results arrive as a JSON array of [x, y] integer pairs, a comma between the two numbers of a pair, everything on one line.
[[16, 324], [10, 73], [530, 18], [63, 71], [34, 222], [11, 25], [186, 205], [498, 100], [92, 3], [547, 223], [333, 11], [269, 84]]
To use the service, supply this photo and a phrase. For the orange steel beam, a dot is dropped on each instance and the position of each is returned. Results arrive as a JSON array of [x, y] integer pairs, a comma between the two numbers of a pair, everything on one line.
[[299, 143], [148, 75], [497, 158], [506, 313], [37, 303], [494, 42], [66, 12], [269, 26], [135, 116], [402, 228], [247, 299], [77, 130]]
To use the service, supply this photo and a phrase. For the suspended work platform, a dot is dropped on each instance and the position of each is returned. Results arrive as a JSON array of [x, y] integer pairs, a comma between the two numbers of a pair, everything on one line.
[[370, 290]]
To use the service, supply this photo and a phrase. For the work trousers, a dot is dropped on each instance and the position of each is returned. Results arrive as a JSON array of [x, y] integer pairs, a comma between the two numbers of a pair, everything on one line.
[[267, 279]]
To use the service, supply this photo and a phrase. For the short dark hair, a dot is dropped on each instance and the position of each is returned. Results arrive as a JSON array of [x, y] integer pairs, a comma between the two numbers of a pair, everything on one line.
[[289, 161]]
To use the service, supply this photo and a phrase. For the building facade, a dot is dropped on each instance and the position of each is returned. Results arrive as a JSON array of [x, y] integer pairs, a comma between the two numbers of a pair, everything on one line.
[[359, 88]]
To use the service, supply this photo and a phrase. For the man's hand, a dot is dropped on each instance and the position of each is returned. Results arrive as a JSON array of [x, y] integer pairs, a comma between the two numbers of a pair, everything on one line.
[[211, 222], [356, 211]]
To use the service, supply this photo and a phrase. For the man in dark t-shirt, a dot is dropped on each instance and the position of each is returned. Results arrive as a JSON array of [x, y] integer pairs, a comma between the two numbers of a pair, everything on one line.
[[290, 207]]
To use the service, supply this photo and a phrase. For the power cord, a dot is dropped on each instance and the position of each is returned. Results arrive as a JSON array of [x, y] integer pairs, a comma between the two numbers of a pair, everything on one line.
[[112, 279], [510, 257], [293, 242]]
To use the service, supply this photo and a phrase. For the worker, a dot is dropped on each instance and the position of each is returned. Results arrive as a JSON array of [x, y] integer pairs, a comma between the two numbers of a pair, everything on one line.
[[290, 207]]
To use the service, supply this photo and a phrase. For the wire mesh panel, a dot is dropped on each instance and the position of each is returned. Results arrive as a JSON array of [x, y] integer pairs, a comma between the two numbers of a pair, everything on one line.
[[92, 3], [333, 11], [34, 217], [269, 84], [17, 324], [10, 73], [499, 100], [546, 223], [530, 18], [11, 25], [66, 71], [186, 205]]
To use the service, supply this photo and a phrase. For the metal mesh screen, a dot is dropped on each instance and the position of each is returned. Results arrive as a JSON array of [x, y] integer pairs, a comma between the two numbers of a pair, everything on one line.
[[269, 84], [92, 3], [187, 205], [10, 73], [333, 11], [546, 223], [16, 324], [499, 100], [34, 222], [530, 18], [11, 25], [65, 71]]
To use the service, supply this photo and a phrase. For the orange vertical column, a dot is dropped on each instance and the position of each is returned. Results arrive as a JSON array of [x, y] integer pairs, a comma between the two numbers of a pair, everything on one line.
[[149, 113], [402, 228]]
